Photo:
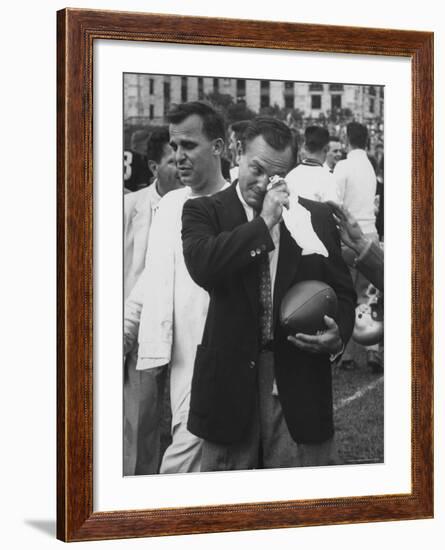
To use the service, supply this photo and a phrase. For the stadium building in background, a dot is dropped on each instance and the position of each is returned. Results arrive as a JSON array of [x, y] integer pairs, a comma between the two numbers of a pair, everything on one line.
[[147, 98]]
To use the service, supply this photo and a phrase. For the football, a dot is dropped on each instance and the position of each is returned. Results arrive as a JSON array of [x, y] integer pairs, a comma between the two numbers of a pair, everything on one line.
[[304, 306]]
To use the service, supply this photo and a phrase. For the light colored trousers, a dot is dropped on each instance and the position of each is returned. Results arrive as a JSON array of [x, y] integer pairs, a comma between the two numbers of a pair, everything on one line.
[[143, 399], [184, 453]]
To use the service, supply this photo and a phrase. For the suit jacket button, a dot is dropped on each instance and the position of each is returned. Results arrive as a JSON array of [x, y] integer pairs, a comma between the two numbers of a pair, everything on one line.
[[252, 364], [252, 253], [258, 250], [263, 247]]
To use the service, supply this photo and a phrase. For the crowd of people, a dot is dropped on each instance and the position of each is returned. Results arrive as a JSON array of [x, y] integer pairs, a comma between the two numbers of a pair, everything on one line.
[[211, 380]]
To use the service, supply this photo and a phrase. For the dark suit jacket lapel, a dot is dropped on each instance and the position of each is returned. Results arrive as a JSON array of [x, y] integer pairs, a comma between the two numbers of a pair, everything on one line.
[[232, 214], [288, 259]]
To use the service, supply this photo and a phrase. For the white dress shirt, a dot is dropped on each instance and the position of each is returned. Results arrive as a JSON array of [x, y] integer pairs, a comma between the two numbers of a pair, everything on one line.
[[274, 233], [356, 186]]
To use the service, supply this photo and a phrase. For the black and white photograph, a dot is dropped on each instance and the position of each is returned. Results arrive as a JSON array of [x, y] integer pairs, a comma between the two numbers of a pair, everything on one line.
[[193, 274], [253, 233]]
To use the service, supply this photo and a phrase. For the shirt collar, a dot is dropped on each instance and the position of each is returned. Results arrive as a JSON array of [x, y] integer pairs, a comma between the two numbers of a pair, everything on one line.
[[155, 191], [150, 196], [155, 196], [311, 162]]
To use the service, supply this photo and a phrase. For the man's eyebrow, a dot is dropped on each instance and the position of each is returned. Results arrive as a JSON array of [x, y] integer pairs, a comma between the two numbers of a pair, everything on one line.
[[257, 163], [183, 142]]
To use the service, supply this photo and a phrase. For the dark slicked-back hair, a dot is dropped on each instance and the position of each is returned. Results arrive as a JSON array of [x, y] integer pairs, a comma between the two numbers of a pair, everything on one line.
[[357, 135], [315, 138], [274, 132], [213, 124], [156, 143], [239, 127]]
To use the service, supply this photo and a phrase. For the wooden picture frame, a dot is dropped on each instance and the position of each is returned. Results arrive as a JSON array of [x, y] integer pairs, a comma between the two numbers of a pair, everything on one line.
[[77, 31]]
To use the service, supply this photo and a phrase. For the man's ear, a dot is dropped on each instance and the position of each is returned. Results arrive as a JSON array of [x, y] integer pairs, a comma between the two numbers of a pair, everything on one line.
[[153, 167], [218, 146]]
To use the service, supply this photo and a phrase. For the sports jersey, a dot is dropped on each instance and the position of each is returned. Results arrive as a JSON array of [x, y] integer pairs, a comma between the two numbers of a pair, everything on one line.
[[136, 172]]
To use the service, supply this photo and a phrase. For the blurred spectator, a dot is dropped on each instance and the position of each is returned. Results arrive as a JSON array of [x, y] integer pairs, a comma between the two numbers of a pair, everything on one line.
[[380, 173], [356, 187], [356, 180], [380, 161], [137, 174], [310, 179], [142, 390], [334, 153], [236, 130], [139, 207]]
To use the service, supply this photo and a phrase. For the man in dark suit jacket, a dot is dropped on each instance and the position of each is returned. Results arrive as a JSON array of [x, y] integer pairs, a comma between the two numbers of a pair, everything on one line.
[[262, 403]]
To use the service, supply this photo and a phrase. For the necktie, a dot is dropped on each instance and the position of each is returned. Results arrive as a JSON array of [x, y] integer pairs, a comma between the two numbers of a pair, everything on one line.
[[266, 332]]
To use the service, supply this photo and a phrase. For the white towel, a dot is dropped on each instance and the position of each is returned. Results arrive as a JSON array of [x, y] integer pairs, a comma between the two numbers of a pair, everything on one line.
[[298, 222]]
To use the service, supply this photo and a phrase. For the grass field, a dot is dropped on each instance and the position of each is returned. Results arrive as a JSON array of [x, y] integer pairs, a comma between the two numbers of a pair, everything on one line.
[[358, 413]]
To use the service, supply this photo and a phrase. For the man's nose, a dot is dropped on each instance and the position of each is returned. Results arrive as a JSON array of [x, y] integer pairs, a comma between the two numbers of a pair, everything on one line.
[[179, 154], [263, 181]]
